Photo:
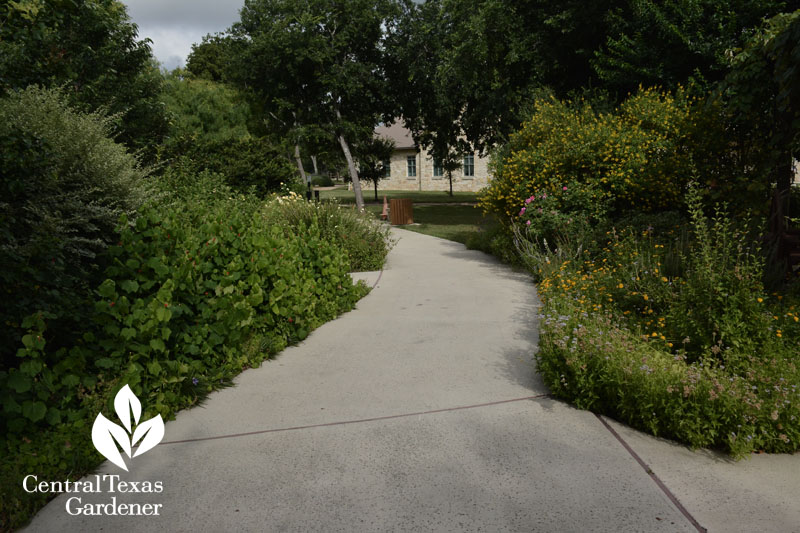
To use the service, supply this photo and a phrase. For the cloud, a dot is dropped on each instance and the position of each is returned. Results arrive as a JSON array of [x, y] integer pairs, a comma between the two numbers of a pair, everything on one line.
[[171, 45], [175, 25], [184, 12]]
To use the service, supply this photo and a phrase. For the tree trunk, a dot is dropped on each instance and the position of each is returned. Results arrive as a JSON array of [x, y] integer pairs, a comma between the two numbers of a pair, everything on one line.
[[353, 173], [784, 175], [376, 190], [314, 162], [299, 161], [352, 167]]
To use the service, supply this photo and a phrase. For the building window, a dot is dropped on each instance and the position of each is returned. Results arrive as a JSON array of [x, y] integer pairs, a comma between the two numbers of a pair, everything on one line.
[[412, 166], [387, 168], [469, 165], [438, 170]]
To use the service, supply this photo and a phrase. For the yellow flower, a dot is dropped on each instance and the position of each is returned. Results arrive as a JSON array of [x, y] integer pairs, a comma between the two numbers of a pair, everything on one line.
[[760, 300]]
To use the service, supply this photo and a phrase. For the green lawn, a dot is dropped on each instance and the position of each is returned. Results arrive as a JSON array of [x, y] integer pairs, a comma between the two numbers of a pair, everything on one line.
[[452, 222], [458, 223], [345, 196]]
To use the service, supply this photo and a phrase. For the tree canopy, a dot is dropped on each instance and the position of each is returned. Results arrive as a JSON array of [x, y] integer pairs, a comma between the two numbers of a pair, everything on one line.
[[89, 47], [478, 63], [666, 43], [317, 63], [762, 93], [373, 155], [211, 58]]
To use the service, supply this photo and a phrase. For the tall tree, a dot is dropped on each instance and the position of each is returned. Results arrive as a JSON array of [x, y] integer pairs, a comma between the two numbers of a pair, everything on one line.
[[762, 92], [480, 61], [429, 95], [90, 47], [373, 155], [318, 62], [668, 42], [199, 108], [211, 58], [209, 131], [488, 57]]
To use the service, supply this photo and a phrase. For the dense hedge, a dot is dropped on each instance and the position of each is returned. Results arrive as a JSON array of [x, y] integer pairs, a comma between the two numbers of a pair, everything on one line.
[[248, 164], [203, 284], [321, 181], [187, 286], [63, 185]]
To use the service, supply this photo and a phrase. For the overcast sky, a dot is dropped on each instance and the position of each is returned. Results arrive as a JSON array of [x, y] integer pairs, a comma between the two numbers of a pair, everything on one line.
[[174, 25]]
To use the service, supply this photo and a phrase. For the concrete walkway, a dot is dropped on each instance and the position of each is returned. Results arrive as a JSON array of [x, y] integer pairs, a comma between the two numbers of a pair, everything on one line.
[[421, 411]]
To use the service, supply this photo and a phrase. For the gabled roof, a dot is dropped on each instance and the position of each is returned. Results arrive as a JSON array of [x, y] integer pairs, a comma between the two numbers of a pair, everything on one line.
[[398, 133]]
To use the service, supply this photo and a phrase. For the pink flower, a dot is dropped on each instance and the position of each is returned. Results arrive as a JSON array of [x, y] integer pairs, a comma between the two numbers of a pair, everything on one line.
[[544, 196], [522, 211], [529, 200], [564, 188], [528, 223]]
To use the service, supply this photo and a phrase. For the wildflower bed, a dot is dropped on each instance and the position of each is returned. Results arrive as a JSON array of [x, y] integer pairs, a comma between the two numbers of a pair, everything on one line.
[[659, 320], [671, 332]]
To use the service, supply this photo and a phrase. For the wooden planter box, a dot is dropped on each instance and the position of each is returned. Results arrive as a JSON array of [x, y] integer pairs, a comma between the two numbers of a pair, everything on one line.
[[401, 211]]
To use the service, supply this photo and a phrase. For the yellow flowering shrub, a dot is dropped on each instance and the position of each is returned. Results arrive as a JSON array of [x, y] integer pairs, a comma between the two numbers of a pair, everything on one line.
[[638, 157]]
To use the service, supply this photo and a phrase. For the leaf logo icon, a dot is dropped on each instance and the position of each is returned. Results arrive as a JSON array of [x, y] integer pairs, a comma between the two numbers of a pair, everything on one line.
[[109, 437]]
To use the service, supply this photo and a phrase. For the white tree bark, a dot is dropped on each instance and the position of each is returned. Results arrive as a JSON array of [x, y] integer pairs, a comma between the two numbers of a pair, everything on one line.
[[352, 167], [353, 173], [314, 162], [299, 161]]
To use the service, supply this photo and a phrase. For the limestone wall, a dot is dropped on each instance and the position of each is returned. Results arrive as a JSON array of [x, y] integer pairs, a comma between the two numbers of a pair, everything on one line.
[[399, 179]]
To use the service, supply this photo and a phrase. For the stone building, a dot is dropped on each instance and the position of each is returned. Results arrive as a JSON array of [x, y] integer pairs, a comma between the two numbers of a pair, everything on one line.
[[413, 169]]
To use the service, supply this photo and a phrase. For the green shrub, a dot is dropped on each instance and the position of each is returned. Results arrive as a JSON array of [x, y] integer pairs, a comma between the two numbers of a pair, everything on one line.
[[63, 185], [555, 228], [720, 303], [248, 164], [365, 240], [496, 241], [321, 181], [203, 285], [185, 289], [638, 157]]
